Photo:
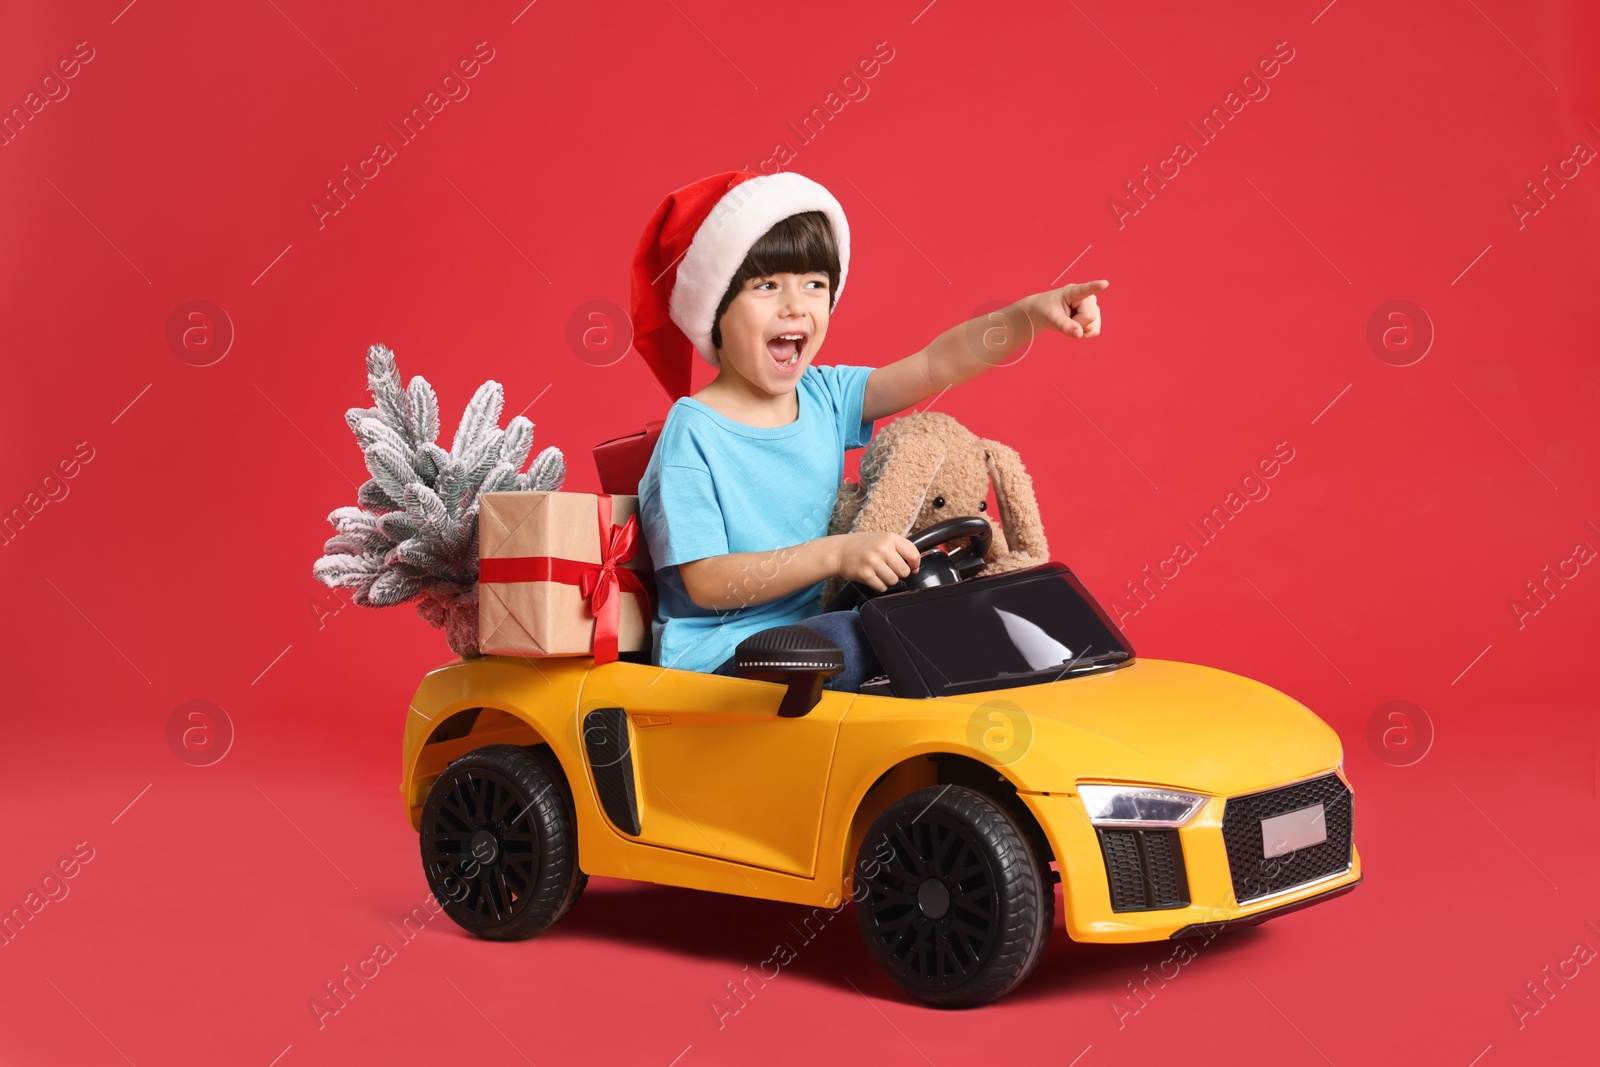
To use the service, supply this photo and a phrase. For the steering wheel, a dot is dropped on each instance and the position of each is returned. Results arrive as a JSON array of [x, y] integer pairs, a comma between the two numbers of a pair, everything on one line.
[[936, 567]]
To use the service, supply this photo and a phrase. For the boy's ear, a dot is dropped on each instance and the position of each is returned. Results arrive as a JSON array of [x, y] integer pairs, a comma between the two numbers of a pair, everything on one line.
[[901, 478], [1020, 521]]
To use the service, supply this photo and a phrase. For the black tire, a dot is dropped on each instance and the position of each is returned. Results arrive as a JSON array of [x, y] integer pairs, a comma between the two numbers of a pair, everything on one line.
[[552, 766], [499, 844], [579, 884], [953, 902]]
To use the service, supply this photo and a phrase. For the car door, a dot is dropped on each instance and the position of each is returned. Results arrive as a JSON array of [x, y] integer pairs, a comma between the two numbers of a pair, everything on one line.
[[708, 765]]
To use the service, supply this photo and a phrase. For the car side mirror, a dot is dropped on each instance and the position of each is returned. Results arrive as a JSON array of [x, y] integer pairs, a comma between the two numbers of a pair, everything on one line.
[[796, 655]]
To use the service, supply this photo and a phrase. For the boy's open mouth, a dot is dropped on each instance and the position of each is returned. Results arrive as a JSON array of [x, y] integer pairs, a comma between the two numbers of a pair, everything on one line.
[[785, 348]]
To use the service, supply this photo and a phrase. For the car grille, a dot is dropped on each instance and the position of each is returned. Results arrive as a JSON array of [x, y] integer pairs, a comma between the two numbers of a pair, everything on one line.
[[1256, 876], [1145, 869]]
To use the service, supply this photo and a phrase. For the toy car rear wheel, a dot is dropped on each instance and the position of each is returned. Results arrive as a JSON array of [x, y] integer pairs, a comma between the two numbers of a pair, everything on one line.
[[956, 906], [500, 844], [552, 767]]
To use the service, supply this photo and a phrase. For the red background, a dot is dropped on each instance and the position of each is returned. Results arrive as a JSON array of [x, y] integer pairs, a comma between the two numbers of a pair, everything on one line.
[[978, 167]]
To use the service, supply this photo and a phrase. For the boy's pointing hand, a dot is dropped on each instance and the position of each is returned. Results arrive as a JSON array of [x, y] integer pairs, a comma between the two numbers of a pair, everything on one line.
[[1072, 309]]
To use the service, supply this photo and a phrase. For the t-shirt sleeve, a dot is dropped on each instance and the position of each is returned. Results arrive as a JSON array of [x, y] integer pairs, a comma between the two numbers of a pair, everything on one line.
[[692, 525], [847, 388]]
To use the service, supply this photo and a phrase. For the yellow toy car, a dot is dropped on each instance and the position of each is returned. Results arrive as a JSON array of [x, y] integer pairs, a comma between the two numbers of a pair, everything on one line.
[[1015, 740]]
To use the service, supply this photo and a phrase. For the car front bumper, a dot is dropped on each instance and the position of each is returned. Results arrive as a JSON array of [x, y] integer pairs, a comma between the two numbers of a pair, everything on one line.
[[1195, 892]]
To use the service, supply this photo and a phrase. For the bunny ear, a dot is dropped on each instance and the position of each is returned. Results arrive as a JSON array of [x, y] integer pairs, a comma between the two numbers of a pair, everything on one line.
[[846, 506], [896, 479], [1019, 511]]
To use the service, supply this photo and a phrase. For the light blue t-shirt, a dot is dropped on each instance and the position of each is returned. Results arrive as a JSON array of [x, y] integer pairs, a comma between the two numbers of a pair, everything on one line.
[[715, 486]]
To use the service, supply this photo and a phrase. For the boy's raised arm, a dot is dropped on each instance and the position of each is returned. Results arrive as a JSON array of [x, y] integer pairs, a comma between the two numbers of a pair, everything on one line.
[[966, 351]]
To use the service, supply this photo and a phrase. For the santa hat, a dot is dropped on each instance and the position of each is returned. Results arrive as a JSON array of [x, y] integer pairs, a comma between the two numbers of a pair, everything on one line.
[[693, 246]]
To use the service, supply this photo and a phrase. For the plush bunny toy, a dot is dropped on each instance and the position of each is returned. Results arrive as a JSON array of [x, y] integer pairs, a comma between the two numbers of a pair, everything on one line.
[[925, 468]]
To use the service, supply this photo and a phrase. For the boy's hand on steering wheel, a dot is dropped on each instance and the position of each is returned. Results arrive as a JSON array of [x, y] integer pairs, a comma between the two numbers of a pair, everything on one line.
[[1072, 309], [876, 560]]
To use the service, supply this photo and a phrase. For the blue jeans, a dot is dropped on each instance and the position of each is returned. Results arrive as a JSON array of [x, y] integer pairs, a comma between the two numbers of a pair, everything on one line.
[[844, 629]]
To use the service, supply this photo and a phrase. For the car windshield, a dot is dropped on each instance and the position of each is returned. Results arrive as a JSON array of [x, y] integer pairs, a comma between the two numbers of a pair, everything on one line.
[[1009, 630]]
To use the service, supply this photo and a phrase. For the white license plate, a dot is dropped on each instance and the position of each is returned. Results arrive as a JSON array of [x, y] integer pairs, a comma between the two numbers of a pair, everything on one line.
[[1293, 830]]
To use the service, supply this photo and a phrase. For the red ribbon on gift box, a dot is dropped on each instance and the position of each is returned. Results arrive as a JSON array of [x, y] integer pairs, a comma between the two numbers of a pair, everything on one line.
[[600, 583]]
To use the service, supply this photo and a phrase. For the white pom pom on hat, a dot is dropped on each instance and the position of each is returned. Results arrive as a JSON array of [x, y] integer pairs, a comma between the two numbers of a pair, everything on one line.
[[691, 249]]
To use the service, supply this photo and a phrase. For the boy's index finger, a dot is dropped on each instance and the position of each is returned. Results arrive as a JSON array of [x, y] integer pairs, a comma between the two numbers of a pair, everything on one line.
[[909, 552], [1079, 290]]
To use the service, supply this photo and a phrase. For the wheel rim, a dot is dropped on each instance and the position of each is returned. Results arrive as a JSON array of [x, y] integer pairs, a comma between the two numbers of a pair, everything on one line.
[[932, 908], [481, 848]]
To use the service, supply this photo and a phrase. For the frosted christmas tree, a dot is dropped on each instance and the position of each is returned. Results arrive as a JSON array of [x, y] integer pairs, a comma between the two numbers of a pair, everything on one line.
[[414, 532]]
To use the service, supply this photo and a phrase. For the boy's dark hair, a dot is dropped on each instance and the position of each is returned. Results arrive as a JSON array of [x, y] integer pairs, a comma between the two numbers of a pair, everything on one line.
[[798, 244]]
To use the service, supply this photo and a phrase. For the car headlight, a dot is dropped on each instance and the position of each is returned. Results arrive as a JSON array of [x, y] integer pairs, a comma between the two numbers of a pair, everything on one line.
[[1122, 805]]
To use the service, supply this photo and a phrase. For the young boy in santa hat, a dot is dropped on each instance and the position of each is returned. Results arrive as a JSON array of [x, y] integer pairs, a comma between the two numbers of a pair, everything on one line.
[[745, 269]]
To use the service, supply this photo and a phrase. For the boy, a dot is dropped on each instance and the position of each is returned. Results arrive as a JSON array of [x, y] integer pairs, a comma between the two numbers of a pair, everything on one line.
[[735, 502]]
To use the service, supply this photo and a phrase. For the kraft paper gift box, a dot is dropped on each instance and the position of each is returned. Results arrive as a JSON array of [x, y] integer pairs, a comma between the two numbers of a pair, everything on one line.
[[562, 574]]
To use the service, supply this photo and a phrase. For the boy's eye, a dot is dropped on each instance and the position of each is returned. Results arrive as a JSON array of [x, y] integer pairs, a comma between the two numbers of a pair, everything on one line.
[[938, 501], [764, 284], [983, 505]]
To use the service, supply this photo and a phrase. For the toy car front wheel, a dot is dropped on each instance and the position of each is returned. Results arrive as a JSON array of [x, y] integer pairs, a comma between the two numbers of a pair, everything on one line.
[[953, 903], [500, 844]]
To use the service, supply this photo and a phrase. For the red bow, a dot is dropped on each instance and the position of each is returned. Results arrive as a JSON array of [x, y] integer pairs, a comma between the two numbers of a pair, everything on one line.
[[600, 586], [600, 583]]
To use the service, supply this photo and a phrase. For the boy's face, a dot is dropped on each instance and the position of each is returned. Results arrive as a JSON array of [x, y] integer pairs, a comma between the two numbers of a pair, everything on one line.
[[773, 328]]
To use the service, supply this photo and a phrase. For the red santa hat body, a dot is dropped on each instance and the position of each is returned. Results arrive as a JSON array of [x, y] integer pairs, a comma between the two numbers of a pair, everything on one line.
[[693, 246]]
